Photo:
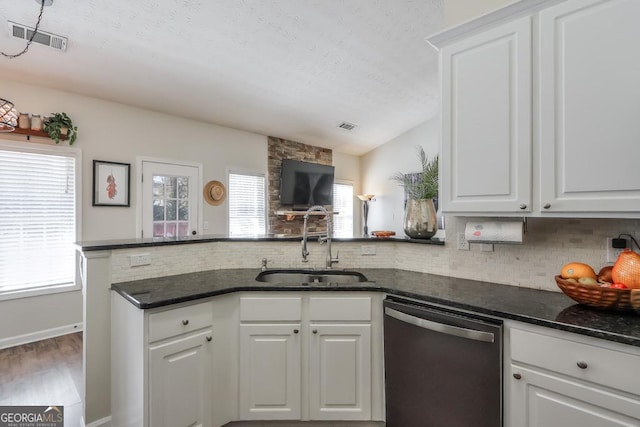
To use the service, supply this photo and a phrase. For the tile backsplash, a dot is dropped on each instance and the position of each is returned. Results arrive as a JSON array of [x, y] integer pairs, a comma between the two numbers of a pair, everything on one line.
[[548, 245]]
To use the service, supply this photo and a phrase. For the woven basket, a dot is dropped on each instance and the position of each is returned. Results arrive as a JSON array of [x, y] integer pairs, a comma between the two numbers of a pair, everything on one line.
[[635, 300], [598, 296]]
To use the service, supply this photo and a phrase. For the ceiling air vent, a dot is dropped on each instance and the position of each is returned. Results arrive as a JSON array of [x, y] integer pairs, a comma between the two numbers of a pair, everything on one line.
[[23, 32], [346, 126]]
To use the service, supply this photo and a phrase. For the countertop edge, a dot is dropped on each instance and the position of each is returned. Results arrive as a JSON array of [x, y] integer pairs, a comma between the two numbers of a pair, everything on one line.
[[142, 243], [373, 287]]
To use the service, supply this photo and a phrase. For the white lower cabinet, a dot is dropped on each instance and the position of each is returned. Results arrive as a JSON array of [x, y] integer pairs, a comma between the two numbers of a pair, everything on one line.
[[340, 372], [161, 365], [542, 399], [180, 389], [270, 371], [558, 379], [310, 358]]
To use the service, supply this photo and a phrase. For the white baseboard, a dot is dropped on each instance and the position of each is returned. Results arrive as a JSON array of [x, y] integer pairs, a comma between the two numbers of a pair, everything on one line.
[[40, 335], [103, 422]]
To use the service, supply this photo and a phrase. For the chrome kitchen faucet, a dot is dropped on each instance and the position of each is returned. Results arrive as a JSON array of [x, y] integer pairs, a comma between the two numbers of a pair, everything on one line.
[[330, 260]]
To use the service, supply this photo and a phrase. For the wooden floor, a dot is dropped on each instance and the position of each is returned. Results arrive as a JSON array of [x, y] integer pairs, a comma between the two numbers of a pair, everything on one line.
[[47, 372], [305, 424]]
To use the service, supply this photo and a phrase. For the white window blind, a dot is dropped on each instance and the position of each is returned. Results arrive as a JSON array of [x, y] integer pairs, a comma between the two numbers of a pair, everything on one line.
[[246, 204], [343, 204], [37, 221]]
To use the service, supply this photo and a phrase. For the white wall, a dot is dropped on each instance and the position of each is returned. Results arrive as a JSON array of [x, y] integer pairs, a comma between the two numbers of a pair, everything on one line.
[[386, 212], [116, 132]]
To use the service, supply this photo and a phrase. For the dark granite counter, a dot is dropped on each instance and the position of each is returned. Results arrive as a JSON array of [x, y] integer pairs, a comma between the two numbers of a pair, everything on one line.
[[107, 245], [550, 309]]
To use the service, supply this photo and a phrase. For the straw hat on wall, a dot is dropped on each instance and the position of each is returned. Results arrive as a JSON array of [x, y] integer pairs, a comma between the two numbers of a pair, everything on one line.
[[215, 193]]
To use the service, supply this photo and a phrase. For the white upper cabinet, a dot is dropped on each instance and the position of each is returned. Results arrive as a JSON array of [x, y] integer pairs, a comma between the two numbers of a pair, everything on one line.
[[486, 121], [590, 107], [542, 119]]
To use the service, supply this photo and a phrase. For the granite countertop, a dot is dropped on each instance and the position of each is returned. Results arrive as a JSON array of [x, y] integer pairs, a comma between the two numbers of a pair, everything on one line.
[[550, 309], [106, 245]]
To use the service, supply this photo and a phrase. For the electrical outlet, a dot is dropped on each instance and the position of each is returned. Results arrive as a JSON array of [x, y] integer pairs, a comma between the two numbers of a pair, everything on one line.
[[612, 253], [463, 244], [140, 259], [368, 250]]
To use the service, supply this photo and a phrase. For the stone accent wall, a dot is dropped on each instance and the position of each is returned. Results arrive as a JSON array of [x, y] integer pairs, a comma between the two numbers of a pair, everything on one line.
[[279, 149]]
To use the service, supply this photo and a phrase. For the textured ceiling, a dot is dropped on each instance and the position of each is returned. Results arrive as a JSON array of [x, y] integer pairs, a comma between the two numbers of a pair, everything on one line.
[[287, 68]]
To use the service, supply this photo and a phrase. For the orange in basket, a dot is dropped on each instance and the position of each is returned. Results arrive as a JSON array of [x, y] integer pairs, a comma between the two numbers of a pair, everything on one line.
[[576, 270]]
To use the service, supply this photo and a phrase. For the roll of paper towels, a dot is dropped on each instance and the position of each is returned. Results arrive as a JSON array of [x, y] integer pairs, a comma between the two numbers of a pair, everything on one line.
[[494, 232]]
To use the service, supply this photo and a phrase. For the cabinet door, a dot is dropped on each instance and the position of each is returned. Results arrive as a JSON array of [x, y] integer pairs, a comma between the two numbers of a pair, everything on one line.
[[180, 389], [486, 121], [545, 400], [270, 372], [340, 372], [589, 107]]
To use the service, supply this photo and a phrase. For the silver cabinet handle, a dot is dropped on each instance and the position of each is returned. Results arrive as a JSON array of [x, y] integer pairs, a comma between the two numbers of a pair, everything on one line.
[[315, 331], [523, 206], [295, 331], [185, 322], [582, 364], [471, 334], [517, 375], [209, 338], [547, 205]]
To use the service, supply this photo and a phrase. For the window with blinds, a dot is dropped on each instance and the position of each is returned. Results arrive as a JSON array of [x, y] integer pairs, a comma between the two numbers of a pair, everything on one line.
[[37, 222], [343, 204], [246, 204]]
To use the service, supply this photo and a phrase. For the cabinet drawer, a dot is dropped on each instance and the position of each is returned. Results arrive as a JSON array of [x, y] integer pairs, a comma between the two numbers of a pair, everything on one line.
[[178, 321], [270, 309], [600, 365], [337, 309]]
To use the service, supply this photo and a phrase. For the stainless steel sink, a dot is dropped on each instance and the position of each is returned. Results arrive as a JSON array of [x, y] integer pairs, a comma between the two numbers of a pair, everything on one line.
[[310, 276]]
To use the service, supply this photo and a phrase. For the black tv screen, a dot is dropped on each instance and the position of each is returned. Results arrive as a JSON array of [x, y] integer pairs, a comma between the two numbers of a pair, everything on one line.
[[304, 184]]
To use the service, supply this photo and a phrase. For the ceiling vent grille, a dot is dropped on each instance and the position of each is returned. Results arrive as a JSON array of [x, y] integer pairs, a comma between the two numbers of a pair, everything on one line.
[[347, 126], [23, 32]]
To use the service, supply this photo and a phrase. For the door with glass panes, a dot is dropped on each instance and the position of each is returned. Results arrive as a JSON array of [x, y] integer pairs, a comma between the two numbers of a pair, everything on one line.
[[170, 199]]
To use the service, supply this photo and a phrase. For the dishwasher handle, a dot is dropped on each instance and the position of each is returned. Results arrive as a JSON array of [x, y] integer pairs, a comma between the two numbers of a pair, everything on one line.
[[471, 334]]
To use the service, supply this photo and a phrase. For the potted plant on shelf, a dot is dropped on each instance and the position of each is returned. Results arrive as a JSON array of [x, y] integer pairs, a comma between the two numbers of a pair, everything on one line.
[[59, 126], [420, 221]]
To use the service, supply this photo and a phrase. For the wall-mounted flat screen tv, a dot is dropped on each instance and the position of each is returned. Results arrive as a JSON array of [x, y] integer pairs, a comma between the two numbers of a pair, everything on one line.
[[304, 184]]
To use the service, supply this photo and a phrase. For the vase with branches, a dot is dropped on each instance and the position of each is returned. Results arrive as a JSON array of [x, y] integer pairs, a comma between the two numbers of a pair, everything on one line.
[[420, 221]]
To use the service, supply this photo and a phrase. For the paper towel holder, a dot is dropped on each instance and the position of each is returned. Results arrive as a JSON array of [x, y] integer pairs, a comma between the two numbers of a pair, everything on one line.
[[496, 231]]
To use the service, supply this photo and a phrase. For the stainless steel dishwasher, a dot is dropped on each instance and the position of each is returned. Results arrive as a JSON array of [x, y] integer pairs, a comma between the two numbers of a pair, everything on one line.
[[442, 368]]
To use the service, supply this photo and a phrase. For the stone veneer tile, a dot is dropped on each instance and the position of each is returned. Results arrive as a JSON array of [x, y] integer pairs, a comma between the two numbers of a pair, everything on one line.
[[279, 149]]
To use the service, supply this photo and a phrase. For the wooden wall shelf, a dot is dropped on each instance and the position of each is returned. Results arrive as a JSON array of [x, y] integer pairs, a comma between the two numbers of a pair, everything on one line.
[[39, 133]]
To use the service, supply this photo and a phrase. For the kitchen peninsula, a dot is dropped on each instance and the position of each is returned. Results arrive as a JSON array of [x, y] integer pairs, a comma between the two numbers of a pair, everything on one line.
[[221, 269]]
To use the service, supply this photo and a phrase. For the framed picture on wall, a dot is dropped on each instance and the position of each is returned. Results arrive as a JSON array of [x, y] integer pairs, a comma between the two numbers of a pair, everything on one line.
[[111, 183]]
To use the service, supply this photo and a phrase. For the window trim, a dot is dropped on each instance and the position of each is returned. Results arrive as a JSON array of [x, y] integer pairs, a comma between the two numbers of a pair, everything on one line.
[[252, 172], [75, 153], [354, 226]]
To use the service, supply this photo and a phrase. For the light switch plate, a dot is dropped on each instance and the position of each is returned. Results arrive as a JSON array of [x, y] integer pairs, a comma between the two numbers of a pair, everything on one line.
[[368, 250], [139, 259]]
